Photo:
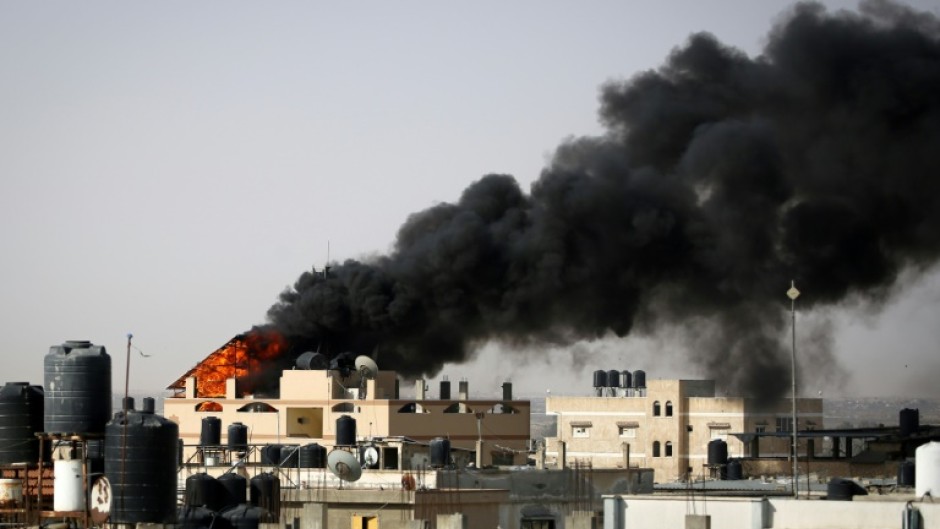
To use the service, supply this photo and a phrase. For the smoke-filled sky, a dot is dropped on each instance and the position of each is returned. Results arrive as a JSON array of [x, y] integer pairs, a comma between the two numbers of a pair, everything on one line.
[[169, 169]]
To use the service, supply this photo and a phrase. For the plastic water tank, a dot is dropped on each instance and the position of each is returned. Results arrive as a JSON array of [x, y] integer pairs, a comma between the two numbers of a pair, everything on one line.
[[626, 379], [735, 471], [927, 472], [271, 455], [265, 492], [148, 444], [77, 380], [289, 456], [21, 417], [639, 379], [717, 452], [613, 379], [245, 517], [440, 452], [238, 437], [211, 433], [234, 490], [196, 518], [600, 379], [203, 490], [312, 455], [345, 431]]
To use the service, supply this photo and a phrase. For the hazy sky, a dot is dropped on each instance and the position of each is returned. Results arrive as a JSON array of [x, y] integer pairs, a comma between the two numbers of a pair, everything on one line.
[[169, 167]]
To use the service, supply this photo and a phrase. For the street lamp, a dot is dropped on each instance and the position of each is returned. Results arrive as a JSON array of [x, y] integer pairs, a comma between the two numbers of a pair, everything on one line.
[[793, 293]]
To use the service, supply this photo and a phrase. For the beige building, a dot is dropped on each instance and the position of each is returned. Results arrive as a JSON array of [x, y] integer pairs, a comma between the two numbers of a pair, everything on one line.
[[309, 402], [667, 427]]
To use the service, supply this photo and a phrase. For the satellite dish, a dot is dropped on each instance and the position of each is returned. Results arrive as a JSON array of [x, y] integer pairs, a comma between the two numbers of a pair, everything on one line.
[[370, 457], [366, 366], [344, 465]]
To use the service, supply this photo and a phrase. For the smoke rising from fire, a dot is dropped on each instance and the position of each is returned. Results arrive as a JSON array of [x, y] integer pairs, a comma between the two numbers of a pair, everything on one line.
[[721, 177]]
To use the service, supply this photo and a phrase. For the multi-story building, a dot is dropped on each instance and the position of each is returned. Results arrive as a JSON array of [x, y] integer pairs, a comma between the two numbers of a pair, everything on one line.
[[667, 426], [306, 404]]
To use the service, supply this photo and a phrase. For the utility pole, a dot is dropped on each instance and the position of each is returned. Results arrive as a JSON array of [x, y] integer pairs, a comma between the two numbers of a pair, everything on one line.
[[793, 293]]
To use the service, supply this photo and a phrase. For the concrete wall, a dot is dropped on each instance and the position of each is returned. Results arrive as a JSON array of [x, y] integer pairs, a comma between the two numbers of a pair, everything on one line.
[[655, 512]]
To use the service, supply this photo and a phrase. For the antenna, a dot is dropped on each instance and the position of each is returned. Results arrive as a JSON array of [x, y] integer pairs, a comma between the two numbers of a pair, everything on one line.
[[344, 466]]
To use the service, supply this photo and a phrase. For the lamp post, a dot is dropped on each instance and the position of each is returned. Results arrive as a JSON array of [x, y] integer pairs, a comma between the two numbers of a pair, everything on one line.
[[793, 293]]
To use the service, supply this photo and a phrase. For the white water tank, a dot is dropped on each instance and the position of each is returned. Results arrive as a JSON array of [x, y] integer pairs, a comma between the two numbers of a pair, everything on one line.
[[927, 470], [67, 476]]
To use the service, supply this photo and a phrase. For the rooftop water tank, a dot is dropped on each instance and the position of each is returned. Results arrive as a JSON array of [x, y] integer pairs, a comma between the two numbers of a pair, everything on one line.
[[140, 462], [345, 431], [77, 380], [21, 417]]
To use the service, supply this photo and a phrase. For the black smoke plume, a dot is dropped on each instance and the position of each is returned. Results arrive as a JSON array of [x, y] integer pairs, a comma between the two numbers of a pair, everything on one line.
[[721, 177]]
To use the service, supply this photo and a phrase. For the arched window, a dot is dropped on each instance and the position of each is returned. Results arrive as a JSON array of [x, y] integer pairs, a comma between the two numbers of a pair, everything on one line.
[[668, 448], [656, 409], [208, 405], [343, 407], [412, 407], [668, 408], [655, 448]]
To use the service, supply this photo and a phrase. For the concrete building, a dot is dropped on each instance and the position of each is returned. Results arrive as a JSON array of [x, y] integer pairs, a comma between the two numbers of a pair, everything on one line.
[[309, 402], [667, 426]]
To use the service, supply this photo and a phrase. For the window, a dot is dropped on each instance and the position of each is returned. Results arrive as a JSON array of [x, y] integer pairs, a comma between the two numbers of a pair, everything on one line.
[[627, 431], [784, 424], [668, 408], [668, 448], [655, 448], [760, 429], [581, 431], [656, 409]]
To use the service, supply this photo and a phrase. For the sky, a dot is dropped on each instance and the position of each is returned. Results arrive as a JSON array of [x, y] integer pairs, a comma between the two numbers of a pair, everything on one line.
[[167, 169]]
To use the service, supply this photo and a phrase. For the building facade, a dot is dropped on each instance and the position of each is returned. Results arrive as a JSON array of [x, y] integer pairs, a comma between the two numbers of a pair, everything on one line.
[[310, 402], [668, 425]]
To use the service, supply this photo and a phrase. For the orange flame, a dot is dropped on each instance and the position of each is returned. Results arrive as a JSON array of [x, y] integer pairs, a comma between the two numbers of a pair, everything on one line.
[[240, 357]]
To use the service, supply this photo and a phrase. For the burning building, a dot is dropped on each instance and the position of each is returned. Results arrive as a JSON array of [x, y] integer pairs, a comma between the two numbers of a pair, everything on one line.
[[308, 399]]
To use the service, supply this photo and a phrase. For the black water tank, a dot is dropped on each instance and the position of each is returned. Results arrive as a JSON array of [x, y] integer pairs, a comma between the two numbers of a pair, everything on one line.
[[21, 417], [196, 518], [203, 490], [238, 437], [345, 431], [735, 470], [271, 455], [312, 456], [717, 452], [626, 379], [265, 492], [234, 489], [143, 487], [440, 452], [839, 489], [77, 380], [312, 361], [288, 456], [639, 379], [613, 379], [211, 433], [445, 389], [245, 517], [909, 422], [600, 379], [906, 473]]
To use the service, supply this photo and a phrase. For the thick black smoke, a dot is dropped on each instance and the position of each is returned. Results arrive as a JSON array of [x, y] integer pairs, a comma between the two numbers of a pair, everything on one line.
[[720, 179]]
